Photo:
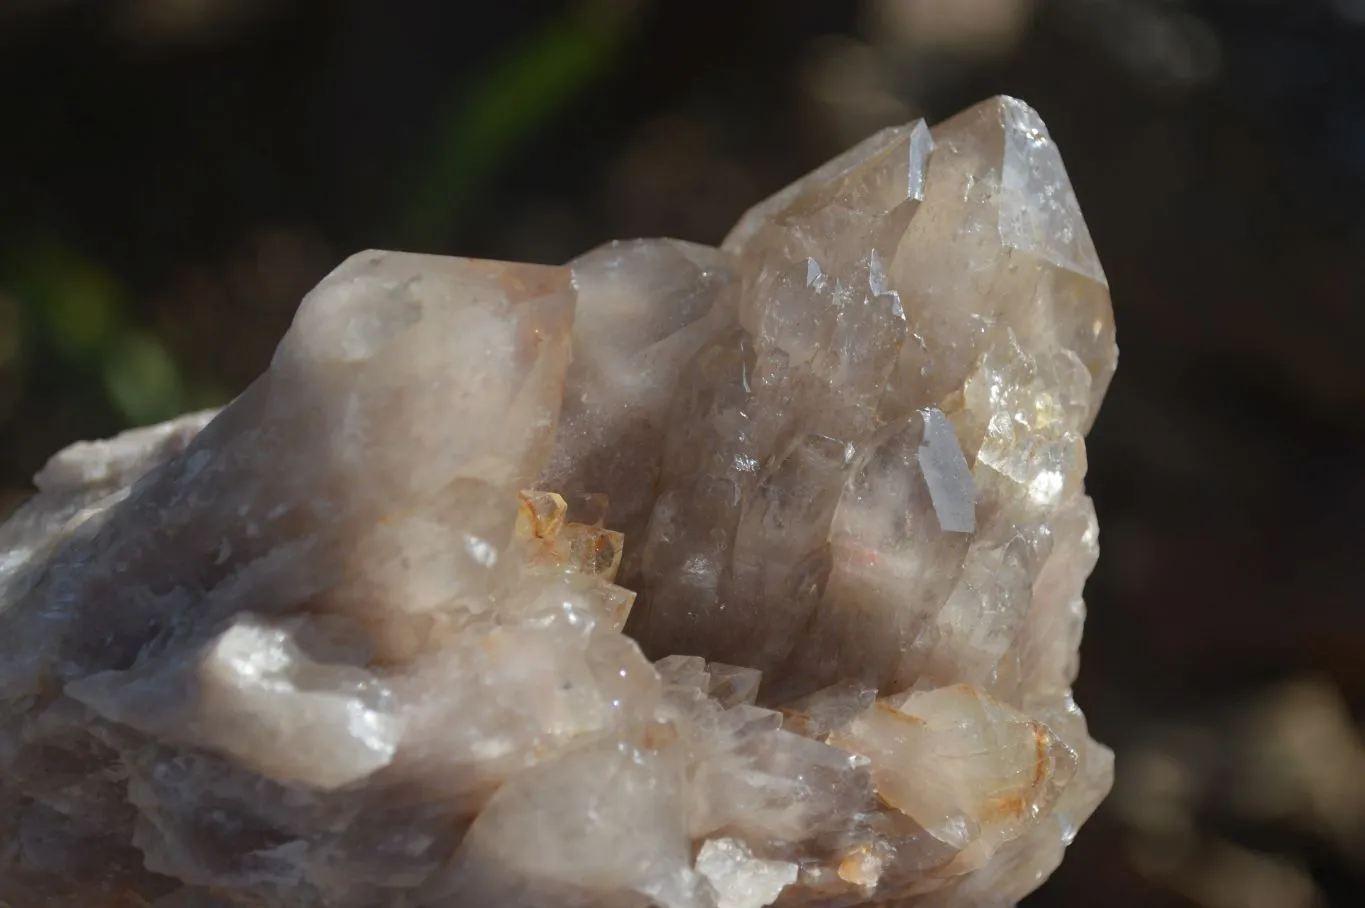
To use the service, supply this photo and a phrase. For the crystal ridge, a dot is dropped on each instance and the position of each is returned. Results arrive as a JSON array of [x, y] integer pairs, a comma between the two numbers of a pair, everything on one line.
[[675, 576]]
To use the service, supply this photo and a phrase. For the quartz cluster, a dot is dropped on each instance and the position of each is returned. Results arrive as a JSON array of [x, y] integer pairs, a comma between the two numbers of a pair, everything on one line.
[[677, 576]]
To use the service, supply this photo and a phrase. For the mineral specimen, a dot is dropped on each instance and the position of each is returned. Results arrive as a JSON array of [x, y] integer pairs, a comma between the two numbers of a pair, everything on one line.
[[358, 639]]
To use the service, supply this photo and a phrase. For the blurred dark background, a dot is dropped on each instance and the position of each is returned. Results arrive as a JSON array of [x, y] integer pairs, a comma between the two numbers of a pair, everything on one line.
[[175, 174]]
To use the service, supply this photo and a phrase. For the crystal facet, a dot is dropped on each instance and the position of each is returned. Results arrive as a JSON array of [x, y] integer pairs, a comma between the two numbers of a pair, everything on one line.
[[676, 576]]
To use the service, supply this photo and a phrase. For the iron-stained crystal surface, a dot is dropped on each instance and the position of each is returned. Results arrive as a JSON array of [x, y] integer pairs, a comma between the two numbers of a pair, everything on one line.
[[677, 576]]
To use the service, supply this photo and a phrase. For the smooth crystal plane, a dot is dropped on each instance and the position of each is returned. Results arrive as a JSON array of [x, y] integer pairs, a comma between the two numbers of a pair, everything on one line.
[[676, 576]]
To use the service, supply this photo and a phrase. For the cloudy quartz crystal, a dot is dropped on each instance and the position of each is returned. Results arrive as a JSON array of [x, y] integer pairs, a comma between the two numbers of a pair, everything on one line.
[[677, 576]]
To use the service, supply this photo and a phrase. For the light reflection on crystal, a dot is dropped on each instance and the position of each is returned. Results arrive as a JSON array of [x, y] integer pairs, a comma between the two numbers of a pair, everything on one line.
[[359, 642]]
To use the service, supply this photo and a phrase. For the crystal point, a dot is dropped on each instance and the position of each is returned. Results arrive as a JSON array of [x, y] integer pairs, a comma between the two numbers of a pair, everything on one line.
[[945, 471], [677, 576]]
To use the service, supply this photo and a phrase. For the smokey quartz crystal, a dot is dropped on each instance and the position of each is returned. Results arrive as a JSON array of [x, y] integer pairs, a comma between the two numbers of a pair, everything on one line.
[[677, 576]]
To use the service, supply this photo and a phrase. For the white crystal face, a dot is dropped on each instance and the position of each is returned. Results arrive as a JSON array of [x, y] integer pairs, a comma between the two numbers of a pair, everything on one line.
[[677, 576]]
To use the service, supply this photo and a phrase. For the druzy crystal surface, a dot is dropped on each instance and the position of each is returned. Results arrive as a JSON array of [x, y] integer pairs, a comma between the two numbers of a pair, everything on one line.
[[678, 576]]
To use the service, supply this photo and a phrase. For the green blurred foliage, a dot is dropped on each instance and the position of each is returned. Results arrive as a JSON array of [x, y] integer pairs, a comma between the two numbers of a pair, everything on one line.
[[65, 314], [489, 120], [76, 305], [67, 310], [142, 378]]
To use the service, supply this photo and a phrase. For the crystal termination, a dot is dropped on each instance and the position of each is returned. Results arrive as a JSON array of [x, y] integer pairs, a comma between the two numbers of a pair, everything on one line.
[[677, 576]]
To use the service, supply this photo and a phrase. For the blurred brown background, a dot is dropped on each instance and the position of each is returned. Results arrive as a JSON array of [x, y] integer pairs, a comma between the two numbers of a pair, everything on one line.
[[174, 174]]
